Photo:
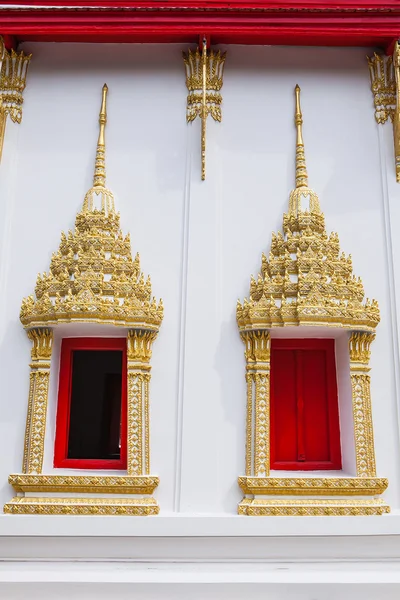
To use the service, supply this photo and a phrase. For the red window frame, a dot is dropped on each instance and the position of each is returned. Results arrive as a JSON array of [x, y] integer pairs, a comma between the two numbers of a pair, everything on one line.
[[61, 459], [328, 345]]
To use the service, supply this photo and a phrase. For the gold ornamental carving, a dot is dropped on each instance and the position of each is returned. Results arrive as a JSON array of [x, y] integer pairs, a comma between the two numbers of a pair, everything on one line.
[[258, 346], [139, 355], [359, 347], [257, 353], [137, 507], [204, 79], [92, 279], [139, 346], [135, 418], [312, 508], [84, 484], [13, 72], [261, 424], [359, 350], [385, 85], [396, 118], [306, 281], [313, 486], [42, 344]]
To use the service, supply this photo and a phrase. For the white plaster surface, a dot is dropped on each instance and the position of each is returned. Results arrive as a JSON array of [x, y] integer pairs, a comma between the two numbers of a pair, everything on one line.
[[200, 241]]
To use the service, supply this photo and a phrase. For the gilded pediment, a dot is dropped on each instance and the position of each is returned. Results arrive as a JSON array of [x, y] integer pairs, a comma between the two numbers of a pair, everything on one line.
[[306, 279], [92, 277]]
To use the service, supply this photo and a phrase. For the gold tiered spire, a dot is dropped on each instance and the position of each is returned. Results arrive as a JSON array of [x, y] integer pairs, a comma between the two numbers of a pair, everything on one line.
[[99, 188], [302, 199], [92, 276], [301, 169], [99, 180], [306, 280]]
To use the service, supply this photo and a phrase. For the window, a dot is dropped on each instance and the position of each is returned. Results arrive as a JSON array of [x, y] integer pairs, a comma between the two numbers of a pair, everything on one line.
[[91, 413], [305, 432]]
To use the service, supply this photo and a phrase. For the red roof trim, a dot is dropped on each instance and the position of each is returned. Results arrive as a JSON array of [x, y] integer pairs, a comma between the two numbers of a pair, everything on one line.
[[348, 23], [286, 5]]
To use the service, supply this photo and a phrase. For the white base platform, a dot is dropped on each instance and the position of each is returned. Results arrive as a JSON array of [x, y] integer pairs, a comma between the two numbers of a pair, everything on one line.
[[193, 557]]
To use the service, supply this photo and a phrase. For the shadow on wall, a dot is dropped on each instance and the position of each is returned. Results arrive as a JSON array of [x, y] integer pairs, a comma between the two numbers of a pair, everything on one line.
[[233, 397], [14, 376]]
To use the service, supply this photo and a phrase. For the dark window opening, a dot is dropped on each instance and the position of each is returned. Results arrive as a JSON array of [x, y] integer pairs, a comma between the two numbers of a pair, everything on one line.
[[95, 406], [91, 414]]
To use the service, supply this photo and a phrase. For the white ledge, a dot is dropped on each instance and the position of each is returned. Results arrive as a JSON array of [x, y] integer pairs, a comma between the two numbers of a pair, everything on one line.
[[197, 574], [196, 526]]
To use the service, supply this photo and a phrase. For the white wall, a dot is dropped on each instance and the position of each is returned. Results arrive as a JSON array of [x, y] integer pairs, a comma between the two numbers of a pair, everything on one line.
[[200, 241]]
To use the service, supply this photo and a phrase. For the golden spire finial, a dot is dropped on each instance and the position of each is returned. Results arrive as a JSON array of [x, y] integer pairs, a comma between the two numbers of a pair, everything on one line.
[[99, 178], [301, 169], [302, 199]]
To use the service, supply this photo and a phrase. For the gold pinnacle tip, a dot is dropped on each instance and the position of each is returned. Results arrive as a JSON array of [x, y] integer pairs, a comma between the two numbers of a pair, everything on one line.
[[301, 171], [298, 116], [104, 100], [297, 91]]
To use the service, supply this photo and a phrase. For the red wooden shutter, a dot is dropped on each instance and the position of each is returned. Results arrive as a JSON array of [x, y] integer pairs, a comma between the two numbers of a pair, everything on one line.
[[305, 433]]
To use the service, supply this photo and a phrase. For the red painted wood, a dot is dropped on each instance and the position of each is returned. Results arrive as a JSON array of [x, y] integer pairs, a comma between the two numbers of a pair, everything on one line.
[[10, 42], [61, 459], [295, 22], [301, 442], [316, 410], [286, 5], [283, 408], [305, 432]]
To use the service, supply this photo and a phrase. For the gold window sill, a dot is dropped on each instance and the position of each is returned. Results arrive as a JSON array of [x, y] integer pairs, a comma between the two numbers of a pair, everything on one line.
[[82, 506], [313, 486], [104, 484], [317, 508]]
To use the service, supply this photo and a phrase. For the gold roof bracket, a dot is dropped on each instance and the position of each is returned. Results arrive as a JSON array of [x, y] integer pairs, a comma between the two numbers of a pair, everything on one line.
[[384, 73], [13, 72], [204, 80]]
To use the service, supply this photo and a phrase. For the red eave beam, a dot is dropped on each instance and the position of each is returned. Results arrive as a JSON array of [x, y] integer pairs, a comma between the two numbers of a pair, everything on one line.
[[338, 6], [341, 23]]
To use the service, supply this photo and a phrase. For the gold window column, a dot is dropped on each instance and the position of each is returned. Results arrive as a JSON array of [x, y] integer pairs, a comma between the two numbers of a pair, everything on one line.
[[359, 348], [139, 355], [42, 345], [257, 353]]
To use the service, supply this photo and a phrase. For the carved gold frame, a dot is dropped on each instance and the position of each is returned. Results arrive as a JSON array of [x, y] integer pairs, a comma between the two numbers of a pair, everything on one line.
[[307, 282], [137, 483], [258, 482], [92, 264]]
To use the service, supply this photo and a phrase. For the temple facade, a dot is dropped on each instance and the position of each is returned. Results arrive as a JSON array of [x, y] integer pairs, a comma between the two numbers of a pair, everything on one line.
[[231, 425]]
